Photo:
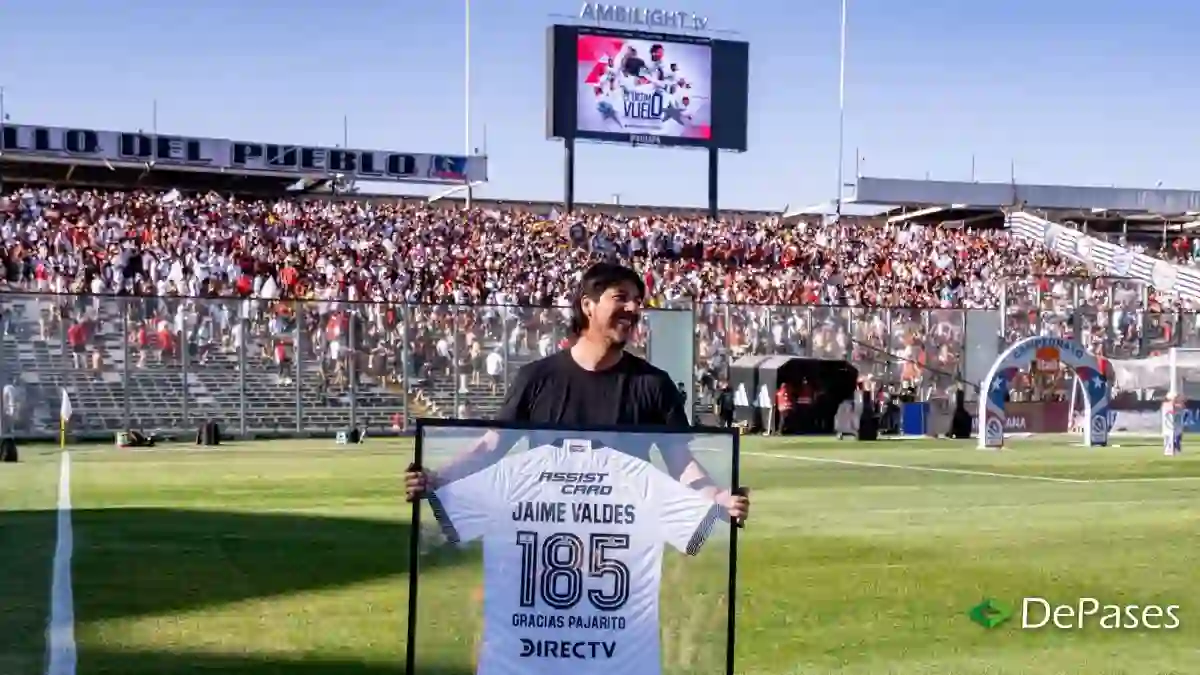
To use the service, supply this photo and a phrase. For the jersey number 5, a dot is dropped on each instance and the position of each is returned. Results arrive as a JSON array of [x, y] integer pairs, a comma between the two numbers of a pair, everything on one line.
[[559, 576]]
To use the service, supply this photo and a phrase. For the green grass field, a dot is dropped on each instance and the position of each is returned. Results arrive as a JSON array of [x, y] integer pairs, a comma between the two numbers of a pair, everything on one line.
[[291, 557]]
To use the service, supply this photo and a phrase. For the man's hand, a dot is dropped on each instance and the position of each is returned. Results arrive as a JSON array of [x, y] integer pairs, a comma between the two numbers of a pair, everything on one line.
[[416, 482], [737, 505]]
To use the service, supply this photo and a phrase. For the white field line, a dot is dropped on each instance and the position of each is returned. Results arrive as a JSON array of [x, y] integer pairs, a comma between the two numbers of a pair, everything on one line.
[[1149, 479], [971, 472], [60, 633]]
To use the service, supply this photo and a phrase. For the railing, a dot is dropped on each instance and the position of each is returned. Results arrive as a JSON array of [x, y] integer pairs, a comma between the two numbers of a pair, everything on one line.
[[270, 367], [1118, 316]]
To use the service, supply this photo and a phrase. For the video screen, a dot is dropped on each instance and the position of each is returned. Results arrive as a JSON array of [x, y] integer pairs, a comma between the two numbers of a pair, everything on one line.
[[644, 87]]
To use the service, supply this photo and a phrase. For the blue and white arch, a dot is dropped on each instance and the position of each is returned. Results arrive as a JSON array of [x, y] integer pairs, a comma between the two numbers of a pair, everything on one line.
[[1020, 356]]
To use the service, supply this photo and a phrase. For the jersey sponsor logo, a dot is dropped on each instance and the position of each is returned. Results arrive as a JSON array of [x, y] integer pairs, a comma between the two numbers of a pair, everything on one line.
[[578, 483], [567, 649]]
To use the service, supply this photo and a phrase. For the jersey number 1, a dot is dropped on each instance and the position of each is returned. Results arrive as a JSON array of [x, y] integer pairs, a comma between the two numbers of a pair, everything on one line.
[[563, 559]]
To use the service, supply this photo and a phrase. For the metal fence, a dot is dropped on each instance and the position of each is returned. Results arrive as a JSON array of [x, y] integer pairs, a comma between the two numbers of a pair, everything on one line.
[[269, 367]]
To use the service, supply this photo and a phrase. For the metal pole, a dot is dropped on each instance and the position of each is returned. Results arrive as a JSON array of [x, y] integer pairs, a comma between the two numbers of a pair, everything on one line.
[[352, 367], [467, 91], [185, 354], [405, 369], [1001, 339], [504, 310], [125, 356], [244, 329], [841, 112], [455, 350], [297, 341]]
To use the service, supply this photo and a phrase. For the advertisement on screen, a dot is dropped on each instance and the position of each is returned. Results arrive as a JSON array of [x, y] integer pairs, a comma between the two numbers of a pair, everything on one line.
[[648, 89]]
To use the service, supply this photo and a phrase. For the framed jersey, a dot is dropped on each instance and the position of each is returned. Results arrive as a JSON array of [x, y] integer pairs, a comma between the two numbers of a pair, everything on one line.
[[549, 550]]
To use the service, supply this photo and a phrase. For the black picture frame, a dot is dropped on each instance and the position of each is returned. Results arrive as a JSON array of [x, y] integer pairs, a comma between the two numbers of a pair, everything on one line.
[[414, 543]]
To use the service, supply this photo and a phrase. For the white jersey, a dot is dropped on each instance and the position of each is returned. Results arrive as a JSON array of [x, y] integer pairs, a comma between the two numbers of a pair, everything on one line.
[[610, 72], [572, 542]]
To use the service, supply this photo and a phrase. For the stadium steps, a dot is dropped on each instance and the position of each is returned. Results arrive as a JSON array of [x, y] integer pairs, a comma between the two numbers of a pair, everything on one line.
[[155, 394]]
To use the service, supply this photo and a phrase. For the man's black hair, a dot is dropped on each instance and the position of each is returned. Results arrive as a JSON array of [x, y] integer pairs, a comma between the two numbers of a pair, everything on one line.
[[596, 280]]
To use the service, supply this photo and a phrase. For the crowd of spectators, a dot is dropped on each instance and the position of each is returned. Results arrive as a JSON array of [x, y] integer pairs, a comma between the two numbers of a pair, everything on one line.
[[154, 243], [761, 284]]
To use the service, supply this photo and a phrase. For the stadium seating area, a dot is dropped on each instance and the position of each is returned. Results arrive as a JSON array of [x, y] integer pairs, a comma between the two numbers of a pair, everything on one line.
[[158, 309]]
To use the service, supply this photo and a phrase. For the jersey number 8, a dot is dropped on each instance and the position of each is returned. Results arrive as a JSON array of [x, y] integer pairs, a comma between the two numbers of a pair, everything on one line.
[[563, 559]]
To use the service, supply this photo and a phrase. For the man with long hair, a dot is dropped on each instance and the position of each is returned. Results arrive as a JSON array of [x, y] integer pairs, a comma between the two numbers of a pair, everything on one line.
[[595, 382]]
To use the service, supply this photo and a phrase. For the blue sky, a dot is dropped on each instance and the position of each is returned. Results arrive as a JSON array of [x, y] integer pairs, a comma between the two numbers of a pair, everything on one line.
[[1097, 93]]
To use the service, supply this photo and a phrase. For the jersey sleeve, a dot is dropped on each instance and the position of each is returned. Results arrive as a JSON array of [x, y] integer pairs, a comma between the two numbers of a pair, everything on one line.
[[685, 516], [463, 508]]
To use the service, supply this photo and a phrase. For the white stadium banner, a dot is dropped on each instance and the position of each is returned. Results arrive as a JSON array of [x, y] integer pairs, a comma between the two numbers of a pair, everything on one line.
[[570, 551], [1179, 280]]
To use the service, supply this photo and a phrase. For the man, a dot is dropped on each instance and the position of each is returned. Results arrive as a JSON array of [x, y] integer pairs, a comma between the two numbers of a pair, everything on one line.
[[783, 408], [657, 67], [675, 77], [724, 405], [632, 65], [595, 382]]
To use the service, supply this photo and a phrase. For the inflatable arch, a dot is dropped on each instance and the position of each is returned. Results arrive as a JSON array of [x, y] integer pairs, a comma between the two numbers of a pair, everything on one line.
[[1041, 349]]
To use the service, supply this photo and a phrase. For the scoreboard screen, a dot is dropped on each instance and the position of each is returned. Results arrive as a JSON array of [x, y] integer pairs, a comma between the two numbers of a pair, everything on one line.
[[647, 88]]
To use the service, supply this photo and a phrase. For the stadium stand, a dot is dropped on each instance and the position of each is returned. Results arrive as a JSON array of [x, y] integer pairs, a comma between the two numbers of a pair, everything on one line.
[[158, 309]]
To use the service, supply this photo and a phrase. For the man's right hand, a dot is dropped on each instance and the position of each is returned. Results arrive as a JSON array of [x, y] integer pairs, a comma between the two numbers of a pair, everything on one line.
[[416, 483]]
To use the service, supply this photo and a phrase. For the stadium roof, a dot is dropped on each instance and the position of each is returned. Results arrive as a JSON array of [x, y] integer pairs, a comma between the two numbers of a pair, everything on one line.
[[1051, 198], [849, 208], [900, 201]]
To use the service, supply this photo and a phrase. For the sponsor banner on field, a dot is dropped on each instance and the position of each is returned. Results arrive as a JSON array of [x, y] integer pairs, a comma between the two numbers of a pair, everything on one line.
[[1142, 421], [1034, 418]]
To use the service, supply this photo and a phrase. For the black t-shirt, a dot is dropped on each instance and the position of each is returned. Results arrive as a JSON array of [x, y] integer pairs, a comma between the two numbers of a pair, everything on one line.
[[556, 390]]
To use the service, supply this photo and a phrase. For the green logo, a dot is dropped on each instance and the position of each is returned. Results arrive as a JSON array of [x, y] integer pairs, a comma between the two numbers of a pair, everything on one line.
[[990, 613]]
